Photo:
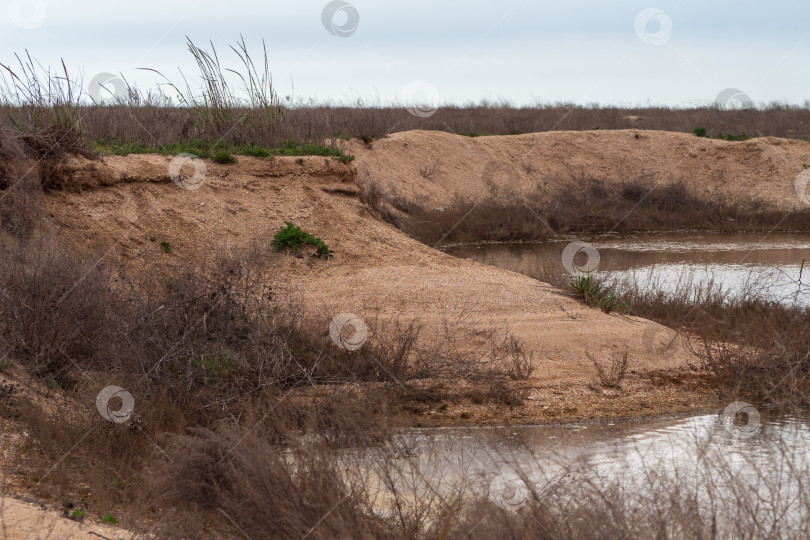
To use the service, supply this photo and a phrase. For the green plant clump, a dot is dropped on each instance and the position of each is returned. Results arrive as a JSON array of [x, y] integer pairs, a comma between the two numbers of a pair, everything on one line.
[[700, 131], [733, 138], [594, 294], [223, 156], [293, 236], [222, 152]]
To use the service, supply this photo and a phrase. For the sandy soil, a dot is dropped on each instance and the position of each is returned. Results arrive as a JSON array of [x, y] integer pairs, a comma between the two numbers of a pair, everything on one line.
[[32, 521], [761, 169]]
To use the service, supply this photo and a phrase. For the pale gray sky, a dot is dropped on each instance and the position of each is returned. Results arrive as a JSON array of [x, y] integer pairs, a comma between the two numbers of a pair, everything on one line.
[[522, 51]]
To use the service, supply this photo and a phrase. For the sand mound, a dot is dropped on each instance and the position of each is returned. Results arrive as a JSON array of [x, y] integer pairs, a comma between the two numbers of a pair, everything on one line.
[[376, 268], [435, 167]]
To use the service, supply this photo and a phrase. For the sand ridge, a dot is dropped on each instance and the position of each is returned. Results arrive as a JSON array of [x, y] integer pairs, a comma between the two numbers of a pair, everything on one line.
[[761, 169]]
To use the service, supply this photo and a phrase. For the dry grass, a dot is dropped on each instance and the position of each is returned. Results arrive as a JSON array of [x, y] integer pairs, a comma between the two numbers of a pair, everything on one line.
[[748, 347], [612, 376], [155, 125], [237, 104]]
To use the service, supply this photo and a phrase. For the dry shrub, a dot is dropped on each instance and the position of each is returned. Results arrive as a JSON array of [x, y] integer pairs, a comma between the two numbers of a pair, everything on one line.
[[171, 125], [640, 204], [245, 486], [54, 308], [613, 376], [20, 193], [206, 344], [747, 346]]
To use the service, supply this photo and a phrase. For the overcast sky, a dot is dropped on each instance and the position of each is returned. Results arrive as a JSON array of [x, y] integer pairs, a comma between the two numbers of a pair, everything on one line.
[[622, 52]]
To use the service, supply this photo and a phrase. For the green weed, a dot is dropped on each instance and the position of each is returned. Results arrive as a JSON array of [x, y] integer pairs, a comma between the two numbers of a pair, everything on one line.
[[293, 236], [594, 294], [252, 150], [223, 156]]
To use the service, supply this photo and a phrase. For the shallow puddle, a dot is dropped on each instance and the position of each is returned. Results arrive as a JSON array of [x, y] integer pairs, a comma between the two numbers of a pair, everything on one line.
[[708, 456], [766, 265]]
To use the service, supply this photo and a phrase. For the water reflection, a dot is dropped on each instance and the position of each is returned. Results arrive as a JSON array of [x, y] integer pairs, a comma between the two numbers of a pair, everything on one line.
[[695, 456], [770, 266]]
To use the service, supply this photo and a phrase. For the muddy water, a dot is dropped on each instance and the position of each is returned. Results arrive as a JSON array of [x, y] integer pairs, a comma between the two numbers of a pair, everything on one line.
[[716, 457], [766, 265]]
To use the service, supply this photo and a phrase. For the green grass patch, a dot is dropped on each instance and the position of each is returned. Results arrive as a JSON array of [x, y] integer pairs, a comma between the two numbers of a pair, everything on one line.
[[252, 150], [293, 148], [293, 236], [594, 294], [224, 157], [702, 132], [166, 247], [222, 151], [732, 138], [108, 518]]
